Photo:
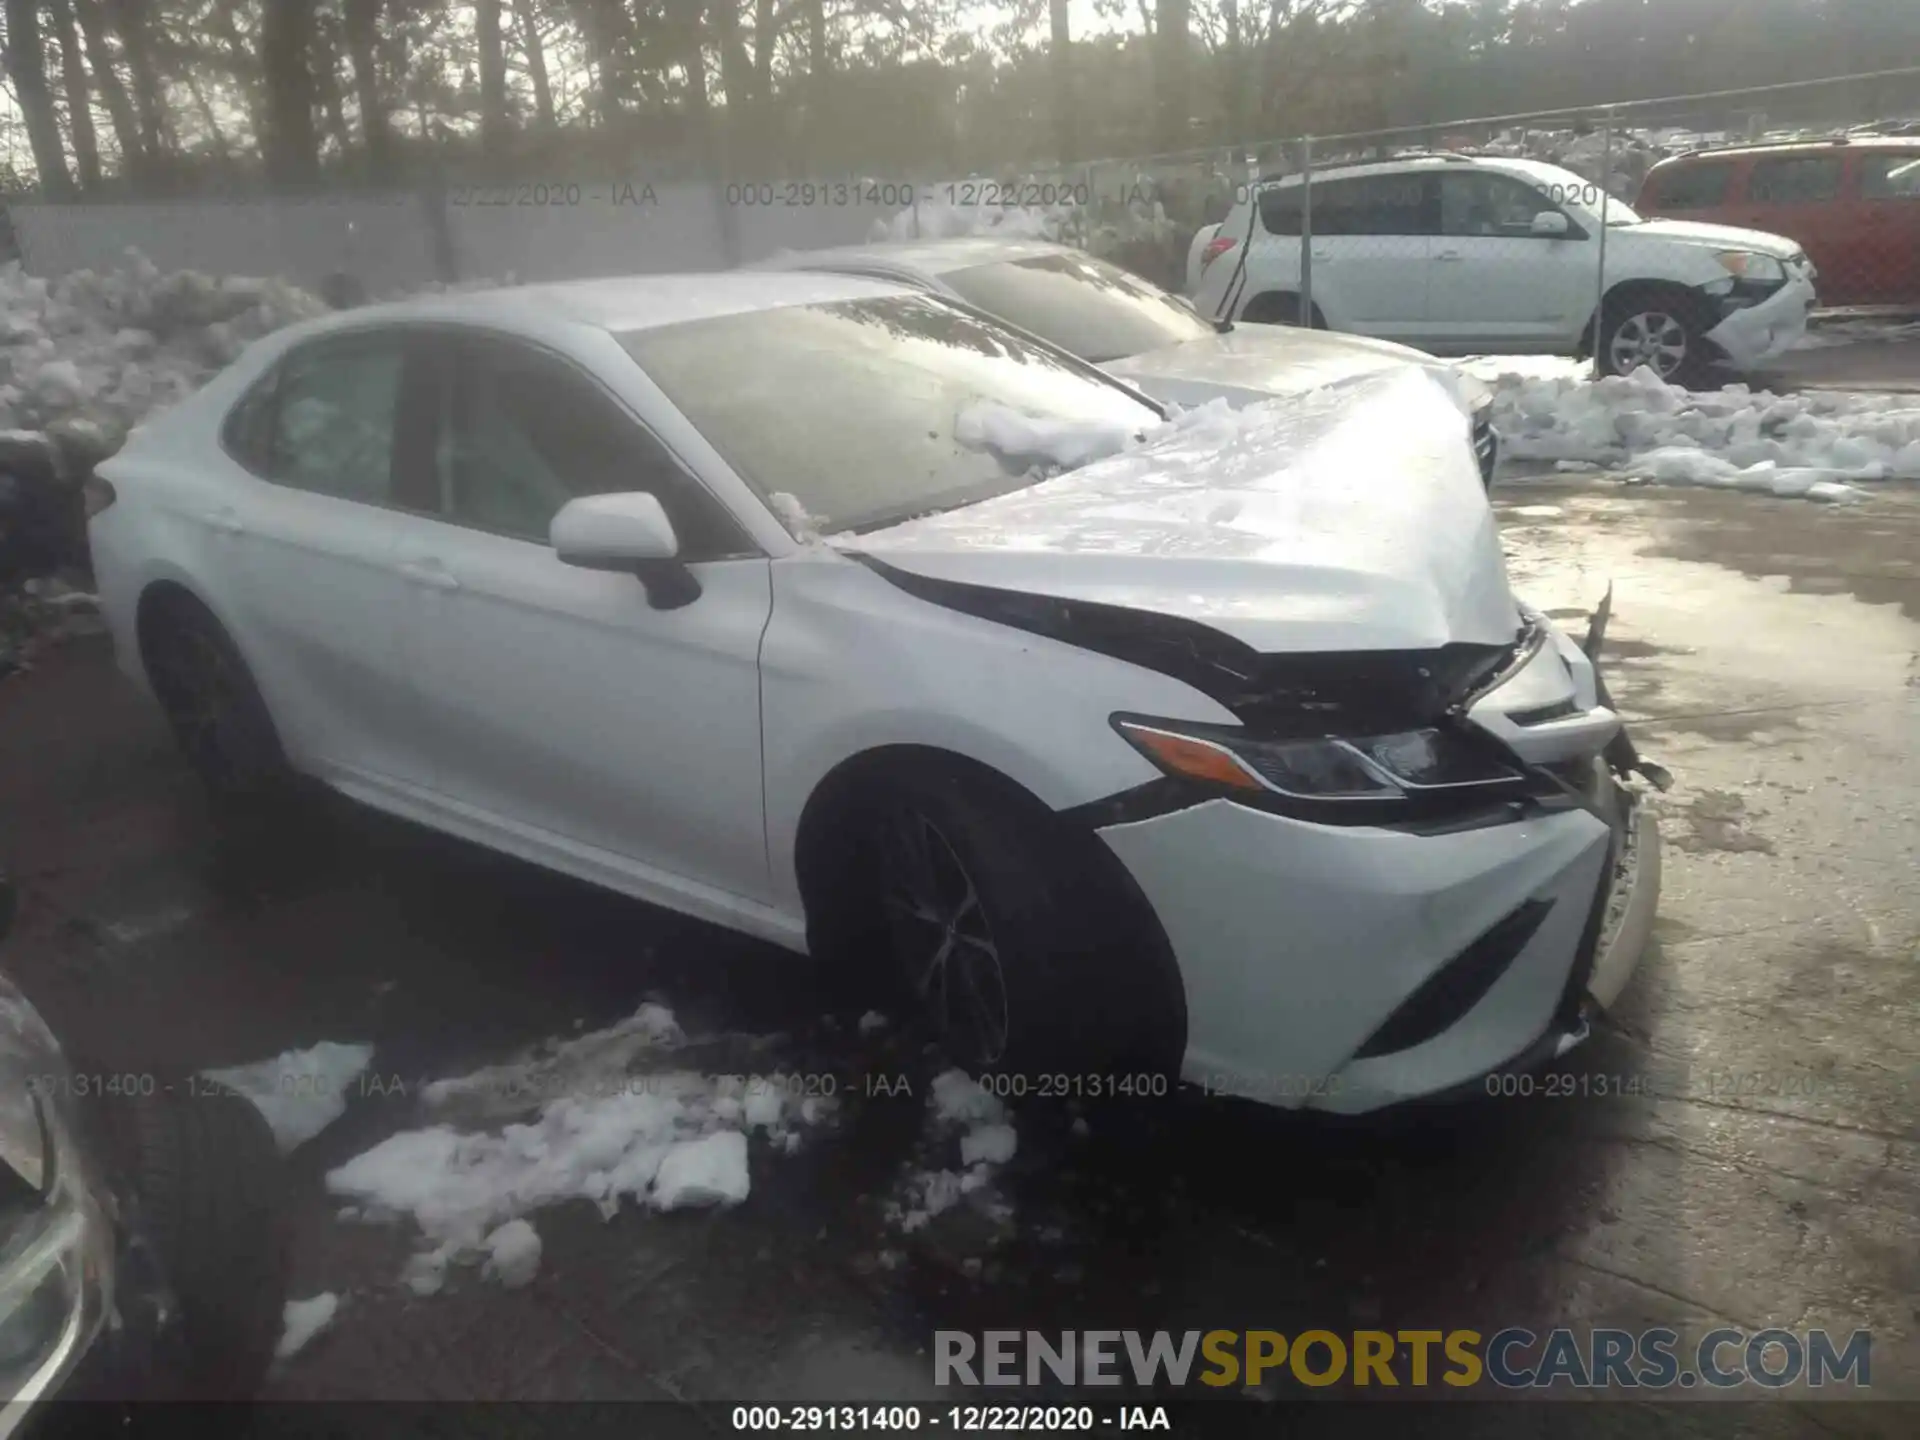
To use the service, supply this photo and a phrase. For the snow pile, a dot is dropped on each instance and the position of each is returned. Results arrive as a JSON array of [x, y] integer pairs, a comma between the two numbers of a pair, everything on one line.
[[1821, 445], [958, 1107], [591, 1125], [300, 1092], [1046, 444], [302, 1320], [87, 356]]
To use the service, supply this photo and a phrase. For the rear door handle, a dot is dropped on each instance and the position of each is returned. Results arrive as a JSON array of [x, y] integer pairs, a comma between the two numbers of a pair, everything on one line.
[[430, 573], [1323, 254], [225, 521], [1449, 255]]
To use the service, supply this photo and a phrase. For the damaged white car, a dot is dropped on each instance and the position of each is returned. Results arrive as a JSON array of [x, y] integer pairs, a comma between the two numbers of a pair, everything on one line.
[[838, 614]]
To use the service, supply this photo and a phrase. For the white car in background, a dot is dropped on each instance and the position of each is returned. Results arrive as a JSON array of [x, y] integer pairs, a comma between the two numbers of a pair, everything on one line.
[[1131, 328], [1198, 759], [1468, 255]]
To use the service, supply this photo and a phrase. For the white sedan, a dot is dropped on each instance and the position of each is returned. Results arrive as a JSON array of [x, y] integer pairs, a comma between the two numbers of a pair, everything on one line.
[[838, 614], [1137, 331]]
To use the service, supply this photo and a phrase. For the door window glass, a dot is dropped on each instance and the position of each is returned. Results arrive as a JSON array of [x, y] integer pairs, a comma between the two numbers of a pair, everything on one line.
[[1693, 187], [1372, 205], [527, 434], [1801, 180], [333, 420], [1890, 177], [1477, 202]]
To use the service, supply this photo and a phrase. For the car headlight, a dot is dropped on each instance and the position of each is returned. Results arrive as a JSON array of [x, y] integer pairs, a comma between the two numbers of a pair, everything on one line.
[[1752, 268], [1368, 775]]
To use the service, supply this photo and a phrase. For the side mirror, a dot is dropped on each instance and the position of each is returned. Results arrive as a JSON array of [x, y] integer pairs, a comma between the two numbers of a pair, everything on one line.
[[628, 532], [1552, 225]]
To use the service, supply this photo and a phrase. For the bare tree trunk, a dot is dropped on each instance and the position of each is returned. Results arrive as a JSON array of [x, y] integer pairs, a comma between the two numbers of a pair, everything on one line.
[[736, 68], [493, 76], [1066, 102], [129, 21], [816, 12], [692, 55], [361, 19], [241, 60], [598, 25], [326, 85], [73, 71], [27, 67], [209, 119], [126, 125], [536, 63], [291, 152], [1170, 72]]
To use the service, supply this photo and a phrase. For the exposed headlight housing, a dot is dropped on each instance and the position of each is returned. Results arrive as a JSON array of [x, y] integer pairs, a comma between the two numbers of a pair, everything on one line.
[[1359, 779], [1753, 268]]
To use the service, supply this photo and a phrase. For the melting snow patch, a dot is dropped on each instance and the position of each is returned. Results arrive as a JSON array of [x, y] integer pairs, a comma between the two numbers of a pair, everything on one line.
[[300, 1092], [987, 1141], [872, 1021], [513, 1254], [1821, 445], [575, 1121], [304, 1319]]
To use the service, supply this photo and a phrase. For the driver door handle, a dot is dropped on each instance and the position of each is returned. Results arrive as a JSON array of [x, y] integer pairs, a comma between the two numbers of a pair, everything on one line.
[[430, 573], [225, 521], [1449, 255]]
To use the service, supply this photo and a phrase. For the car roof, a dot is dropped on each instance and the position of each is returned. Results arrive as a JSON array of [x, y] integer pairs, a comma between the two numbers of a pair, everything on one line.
[[1539, 170], [926, 257], [618, 304], [1795, 147]]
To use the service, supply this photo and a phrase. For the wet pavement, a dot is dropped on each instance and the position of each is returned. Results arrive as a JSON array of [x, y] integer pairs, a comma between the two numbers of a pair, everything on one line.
[[1764, 1168]]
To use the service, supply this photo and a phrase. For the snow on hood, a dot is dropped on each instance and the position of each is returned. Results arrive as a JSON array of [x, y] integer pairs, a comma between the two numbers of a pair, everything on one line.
[[1720, 237], [1351, 518], [1821, 444], [1253, 362]]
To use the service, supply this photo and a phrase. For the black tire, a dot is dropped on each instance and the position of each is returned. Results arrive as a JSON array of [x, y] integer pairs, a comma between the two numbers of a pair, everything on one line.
[[1276, 308], [1662, 328], [1054, 967], [215, 709], [210, 1197]]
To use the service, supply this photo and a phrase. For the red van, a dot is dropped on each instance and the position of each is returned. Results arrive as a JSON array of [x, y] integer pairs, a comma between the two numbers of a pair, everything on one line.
[[1853, 203]]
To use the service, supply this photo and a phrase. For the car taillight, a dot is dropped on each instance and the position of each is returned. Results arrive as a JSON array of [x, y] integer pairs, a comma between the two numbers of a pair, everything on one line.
[[1216, 247], [96, 495]]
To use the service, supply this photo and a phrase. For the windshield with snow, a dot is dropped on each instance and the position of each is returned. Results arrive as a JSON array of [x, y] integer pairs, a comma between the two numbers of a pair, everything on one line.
[[1096, 310], [855, 409]]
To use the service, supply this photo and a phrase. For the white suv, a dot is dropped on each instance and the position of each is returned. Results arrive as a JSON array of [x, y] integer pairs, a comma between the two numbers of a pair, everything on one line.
[[1468, 255]]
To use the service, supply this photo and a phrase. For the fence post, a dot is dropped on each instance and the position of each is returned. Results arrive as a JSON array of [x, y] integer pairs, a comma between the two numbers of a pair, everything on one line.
[[1600, 273], [1306, 231]]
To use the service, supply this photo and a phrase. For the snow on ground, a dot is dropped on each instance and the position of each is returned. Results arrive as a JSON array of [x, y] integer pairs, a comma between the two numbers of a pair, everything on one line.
[[600, 1117], [89, 355], [958, 1110], [300, 1092], [1821, 445], [304, 1319], [1859, 332]]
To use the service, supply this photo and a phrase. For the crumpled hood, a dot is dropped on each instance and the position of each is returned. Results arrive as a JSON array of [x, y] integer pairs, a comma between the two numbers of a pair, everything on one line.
[[1720, 237], [1351, 518]]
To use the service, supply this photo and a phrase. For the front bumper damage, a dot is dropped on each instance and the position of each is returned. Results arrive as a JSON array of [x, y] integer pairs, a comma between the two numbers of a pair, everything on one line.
[[1347, 968], [1755, 334]]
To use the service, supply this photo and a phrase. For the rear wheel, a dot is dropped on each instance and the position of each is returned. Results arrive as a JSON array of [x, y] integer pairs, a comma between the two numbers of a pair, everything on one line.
[[215, 708], [1275, 308], [1022, 953]]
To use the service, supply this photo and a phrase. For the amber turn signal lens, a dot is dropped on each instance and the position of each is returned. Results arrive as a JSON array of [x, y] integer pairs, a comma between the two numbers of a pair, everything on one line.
[[1194, 759]]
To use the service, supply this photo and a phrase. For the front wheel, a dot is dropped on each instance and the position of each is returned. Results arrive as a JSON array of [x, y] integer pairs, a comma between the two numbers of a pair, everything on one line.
[[1664, 333], [1020, 953]]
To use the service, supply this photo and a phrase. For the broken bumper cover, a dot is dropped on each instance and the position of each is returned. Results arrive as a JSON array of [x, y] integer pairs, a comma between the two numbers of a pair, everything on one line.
[[1757, 333], [1346, 968]]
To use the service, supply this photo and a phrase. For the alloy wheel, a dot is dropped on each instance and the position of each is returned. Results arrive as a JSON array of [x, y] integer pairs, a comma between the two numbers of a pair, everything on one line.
[[1652, 338], [943, 939]]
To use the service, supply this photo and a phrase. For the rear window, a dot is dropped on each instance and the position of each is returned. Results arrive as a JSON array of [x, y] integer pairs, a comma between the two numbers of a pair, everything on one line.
[[1794, 180], [1095, 310], [850, 407], [1693, 187], [1890, 177]]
